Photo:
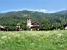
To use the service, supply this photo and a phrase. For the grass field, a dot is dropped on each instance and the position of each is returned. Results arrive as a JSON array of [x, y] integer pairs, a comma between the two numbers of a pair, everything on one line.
[[33, 40]]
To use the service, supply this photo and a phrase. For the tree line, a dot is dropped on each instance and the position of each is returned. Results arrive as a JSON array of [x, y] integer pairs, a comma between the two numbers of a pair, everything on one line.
[[48, 21]]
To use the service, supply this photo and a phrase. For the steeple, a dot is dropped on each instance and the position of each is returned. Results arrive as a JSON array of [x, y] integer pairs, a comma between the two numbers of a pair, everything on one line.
[[29, 22]]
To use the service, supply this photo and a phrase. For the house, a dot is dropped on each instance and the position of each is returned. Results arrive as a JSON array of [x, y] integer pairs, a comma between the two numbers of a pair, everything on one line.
[[32, 25], [65, 26], [18, 28], [3, 28]]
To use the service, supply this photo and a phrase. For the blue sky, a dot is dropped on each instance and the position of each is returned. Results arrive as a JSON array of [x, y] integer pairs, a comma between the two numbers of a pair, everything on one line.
[[33, 5]]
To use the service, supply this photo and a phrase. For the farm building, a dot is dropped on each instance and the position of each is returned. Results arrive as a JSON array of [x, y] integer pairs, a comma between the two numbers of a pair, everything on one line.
[[18, 28], [65, 26], [3, 28]]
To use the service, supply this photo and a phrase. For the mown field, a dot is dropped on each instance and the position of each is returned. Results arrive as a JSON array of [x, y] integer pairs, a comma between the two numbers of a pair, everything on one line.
[[33, 40]]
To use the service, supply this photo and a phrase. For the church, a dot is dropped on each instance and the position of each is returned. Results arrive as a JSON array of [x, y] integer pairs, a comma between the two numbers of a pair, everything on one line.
[[32, 25]]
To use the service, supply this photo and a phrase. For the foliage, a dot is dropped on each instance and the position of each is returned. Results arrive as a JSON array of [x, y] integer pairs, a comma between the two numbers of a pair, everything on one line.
[[29, 40], [48, 21]]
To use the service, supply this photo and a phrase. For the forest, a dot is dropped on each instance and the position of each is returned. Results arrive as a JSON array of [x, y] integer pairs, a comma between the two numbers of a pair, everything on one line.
[[48, 21]]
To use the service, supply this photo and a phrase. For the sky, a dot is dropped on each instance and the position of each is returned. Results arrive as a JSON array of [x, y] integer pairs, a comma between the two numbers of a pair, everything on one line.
[[47, 6]]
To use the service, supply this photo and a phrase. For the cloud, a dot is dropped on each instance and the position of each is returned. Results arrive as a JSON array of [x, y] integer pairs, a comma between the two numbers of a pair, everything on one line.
[[38, 10]]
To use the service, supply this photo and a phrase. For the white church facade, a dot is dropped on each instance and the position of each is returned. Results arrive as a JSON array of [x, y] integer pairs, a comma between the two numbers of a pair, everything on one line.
[[32, 25]]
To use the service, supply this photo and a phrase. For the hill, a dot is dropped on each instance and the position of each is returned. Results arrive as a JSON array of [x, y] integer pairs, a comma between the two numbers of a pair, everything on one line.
[[47, 20], [63, 12]]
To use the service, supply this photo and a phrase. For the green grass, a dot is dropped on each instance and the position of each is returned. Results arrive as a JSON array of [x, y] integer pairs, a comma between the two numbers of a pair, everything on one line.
[[34, 40]]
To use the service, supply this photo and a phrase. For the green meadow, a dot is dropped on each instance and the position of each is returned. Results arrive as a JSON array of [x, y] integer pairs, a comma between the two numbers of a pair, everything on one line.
[[34, 40]]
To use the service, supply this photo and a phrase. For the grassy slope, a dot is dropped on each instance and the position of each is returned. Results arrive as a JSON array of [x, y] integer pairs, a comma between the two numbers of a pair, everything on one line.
[[34, 40]]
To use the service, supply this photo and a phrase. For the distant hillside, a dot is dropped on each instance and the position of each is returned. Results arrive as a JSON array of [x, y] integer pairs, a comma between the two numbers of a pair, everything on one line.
[[47, 20], [63, 12]]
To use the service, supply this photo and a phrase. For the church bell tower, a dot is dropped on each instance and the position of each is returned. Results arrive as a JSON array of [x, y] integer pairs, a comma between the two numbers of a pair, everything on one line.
[[29, 22]]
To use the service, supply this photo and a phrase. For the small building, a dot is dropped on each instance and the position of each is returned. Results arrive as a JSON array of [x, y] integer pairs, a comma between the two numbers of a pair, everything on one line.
[[3, 28], [32, 25], [65, 26], [18, 28]]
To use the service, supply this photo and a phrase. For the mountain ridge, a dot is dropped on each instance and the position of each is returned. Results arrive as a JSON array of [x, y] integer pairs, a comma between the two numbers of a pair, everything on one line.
[[47, 20]]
